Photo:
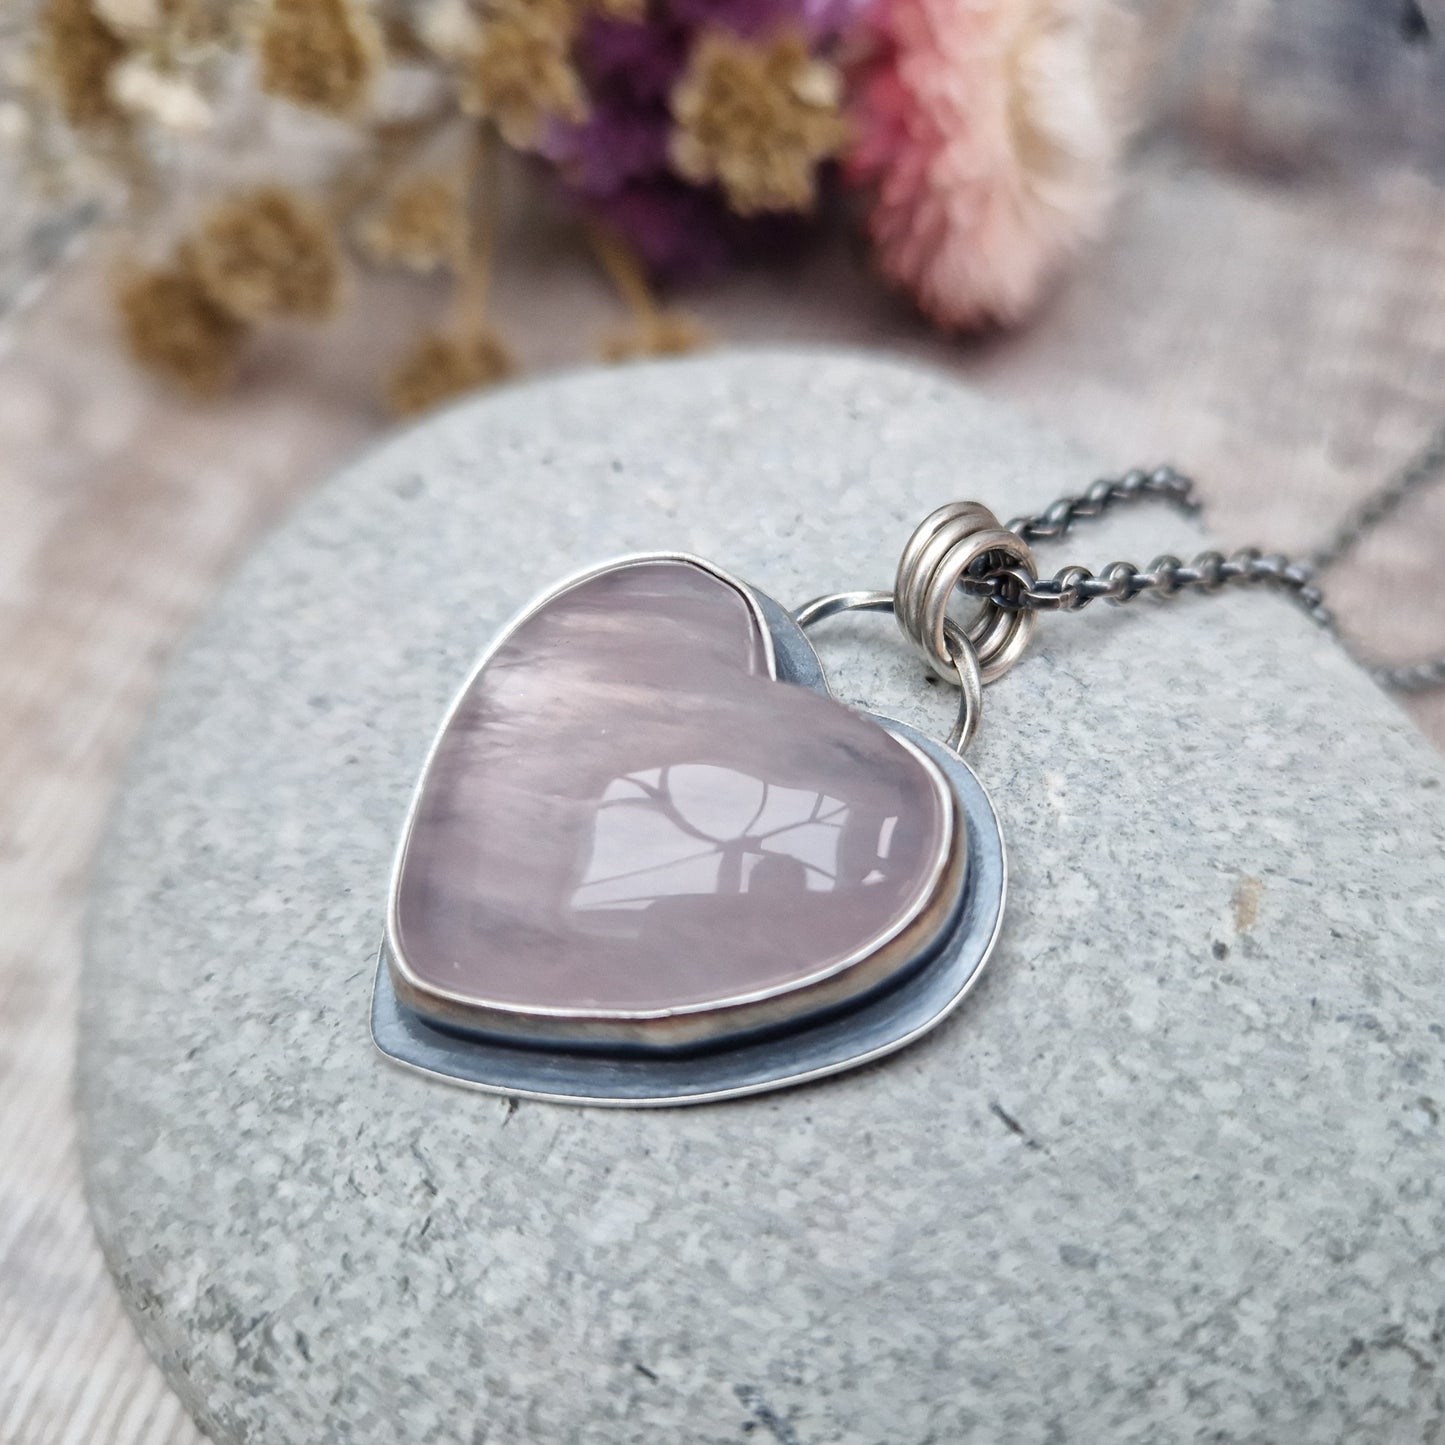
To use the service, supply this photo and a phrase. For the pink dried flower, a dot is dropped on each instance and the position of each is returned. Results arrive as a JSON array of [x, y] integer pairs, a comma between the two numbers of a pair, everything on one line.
[[988, 134]]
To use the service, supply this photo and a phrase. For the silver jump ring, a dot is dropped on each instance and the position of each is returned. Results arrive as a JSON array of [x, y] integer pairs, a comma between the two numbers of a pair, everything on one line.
[[962, 659], [944, 549]]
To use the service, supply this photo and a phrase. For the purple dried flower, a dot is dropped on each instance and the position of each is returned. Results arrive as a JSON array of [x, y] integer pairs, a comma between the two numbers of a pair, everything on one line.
[[615, 164], [638, 61], [614, 147], [681, 233], [823, 20]]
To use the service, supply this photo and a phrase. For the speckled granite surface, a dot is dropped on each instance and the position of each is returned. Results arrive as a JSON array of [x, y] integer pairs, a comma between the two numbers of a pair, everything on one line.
[[1171, 1174]]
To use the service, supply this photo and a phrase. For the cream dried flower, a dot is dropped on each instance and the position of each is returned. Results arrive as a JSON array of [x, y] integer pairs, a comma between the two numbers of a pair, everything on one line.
[[269, 253], [757, 117], [140, 89], [989, 135], [449, 29], [421, 227], [321, 54], [440, 367], [521, 73]]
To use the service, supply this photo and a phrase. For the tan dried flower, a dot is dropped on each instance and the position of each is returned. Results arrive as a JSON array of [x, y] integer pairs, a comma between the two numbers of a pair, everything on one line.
[[80, 53], [269, 253], [421, 226], [440, 367], [757, 117], [322, 54], [174, 328], [662, 333], [521, 73]]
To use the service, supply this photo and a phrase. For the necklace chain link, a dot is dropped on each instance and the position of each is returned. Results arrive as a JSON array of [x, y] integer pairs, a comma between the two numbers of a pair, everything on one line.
[[1073, 588]]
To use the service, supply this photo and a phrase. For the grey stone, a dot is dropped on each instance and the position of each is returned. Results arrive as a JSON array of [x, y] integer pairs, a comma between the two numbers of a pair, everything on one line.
[[1172, 1173]]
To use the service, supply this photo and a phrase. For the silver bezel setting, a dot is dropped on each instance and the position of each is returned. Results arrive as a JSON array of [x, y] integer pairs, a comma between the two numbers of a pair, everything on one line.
[[913, 996]]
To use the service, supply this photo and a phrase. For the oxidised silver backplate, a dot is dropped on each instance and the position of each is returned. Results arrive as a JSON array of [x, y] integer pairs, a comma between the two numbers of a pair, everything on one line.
[[878, 1025]]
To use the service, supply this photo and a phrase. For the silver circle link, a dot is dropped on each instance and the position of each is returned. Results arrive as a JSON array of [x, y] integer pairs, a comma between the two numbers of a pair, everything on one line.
[[943, 551], [962, 659]]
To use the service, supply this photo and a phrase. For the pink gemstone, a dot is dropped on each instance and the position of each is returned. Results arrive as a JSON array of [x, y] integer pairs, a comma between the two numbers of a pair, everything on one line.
[[630, 833]]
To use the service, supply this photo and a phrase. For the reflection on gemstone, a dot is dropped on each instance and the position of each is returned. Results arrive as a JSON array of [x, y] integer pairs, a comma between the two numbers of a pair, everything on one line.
[[627, 812], [696, 828]]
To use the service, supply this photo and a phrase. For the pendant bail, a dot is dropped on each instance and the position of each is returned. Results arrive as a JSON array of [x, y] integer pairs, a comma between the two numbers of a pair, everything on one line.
[[958, 542]]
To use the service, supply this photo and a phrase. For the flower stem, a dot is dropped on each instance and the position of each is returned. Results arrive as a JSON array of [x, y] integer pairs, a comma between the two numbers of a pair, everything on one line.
[[481, 186], [623, 269]]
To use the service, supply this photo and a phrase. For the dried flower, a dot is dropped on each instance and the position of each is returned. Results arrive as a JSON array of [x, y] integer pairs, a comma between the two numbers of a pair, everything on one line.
[[173, 327], [522, 75], [80, 52], [440, 367], [820, 19], [631, 71], [269, 253], [321, 54], [757, 117], [661, 333], [449, 29], [637, 63], [681, 233], [616, 164], [139, 88], [421, 227], [987, 135]]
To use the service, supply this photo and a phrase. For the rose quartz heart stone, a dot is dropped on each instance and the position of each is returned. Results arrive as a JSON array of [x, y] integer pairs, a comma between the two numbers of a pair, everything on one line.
[[628, 814]]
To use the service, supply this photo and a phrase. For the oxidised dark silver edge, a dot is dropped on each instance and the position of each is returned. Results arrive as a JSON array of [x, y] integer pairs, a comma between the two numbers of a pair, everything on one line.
[[867, 1030]]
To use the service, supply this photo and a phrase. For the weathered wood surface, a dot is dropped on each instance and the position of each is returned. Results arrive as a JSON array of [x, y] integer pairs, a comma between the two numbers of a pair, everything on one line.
[[1270, 314]]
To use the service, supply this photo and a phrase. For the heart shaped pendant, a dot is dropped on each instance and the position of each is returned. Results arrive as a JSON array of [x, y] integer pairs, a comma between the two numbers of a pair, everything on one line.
[[650, 860]]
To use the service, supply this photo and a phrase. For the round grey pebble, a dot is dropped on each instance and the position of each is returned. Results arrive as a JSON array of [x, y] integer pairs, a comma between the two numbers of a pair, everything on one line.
[[1173, 1173]]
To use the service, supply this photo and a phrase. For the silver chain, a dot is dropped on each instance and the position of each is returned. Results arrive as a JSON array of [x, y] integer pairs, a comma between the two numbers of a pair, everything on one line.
[[1072, 588]]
